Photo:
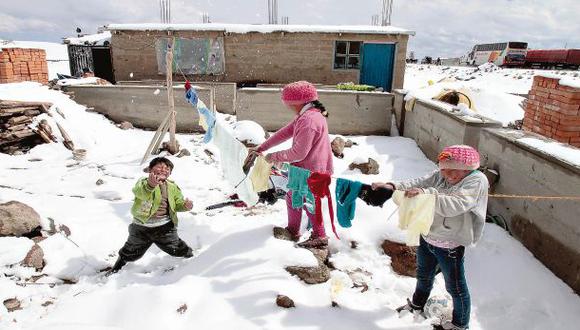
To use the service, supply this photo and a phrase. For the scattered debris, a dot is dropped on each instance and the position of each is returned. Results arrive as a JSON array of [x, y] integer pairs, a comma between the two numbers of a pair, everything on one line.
[[182, 309], [34, 258], [64, 230], [12, 304], [184, 152], [338, 145], [310, 275], [403, 257], [125, 125], [100, 182], [47, 303], [79, 154], [283, 234], [353, 244], [370, 167], [284, 301], [18, 219]]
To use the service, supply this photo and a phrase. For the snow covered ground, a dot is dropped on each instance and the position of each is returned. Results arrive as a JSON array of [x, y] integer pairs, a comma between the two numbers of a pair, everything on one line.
[[494, 90], [239, 267], [56, 54]]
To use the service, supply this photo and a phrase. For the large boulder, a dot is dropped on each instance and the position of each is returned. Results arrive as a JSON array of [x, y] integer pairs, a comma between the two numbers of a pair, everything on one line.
[[403, 257], [17, 219]]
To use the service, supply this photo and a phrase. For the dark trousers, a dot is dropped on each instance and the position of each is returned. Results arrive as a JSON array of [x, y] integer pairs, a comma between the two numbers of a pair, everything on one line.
[[141, 238], [450, 262]]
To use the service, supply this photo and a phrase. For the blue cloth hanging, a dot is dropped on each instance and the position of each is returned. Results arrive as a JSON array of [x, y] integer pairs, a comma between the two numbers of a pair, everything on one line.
[[346, 194], [202, 110]]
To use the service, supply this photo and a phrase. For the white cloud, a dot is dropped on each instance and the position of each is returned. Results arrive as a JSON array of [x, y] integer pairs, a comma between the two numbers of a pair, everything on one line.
[[444, 27]]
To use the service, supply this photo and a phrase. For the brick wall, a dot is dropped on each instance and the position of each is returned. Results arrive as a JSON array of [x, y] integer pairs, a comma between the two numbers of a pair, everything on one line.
[[553, 110], [22, 64], [258, 57]]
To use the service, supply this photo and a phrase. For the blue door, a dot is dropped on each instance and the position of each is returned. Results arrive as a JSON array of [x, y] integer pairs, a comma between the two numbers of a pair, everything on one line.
[[377, 65]]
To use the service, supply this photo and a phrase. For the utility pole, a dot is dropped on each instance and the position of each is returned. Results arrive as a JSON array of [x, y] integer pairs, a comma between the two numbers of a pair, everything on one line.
[[165, 11], [386, 12], [272, 11]]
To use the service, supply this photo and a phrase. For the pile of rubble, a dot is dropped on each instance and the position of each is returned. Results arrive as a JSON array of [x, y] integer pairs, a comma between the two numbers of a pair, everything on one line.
[[19, 129]]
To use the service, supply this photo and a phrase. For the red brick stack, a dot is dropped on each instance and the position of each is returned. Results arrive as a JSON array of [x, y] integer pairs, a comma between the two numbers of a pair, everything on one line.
[[553, 110], [23, 64]]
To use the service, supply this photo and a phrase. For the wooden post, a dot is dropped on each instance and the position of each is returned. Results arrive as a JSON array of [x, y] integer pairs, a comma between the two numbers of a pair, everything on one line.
[[169, 66]]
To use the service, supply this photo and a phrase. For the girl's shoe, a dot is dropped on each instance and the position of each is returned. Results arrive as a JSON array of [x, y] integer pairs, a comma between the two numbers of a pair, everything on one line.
[[409, 307], [314, 242], [447, 325]]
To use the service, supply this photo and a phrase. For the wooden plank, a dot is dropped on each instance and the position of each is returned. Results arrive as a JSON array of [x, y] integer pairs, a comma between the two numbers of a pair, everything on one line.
[[5, 104], [68, 143], [19, 120], [171, 102], [157, 138]]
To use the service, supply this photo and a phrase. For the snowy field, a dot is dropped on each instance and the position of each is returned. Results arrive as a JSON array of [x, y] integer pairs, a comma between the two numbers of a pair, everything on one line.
[[239, 267], [495, 91]]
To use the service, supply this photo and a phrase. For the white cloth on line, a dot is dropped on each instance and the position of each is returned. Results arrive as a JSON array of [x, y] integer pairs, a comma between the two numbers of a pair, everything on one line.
[[232, 156]]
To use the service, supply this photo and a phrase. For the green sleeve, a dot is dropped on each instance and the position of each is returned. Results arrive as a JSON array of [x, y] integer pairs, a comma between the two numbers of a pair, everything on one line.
[[179, 200], [142, 190]]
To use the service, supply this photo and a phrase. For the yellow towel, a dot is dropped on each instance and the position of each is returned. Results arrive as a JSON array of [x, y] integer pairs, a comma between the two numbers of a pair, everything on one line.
[[415, 215], [260, 174]]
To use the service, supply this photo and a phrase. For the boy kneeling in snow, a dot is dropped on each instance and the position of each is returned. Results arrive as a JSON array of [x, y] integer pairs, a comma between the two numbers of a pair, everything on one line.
[[460, 208], [157, 201]]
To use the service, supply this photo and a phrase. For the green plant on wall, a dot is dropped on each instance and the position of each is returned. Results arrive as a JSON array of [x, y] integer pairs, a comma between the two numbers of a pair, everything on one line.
[[352, 87]]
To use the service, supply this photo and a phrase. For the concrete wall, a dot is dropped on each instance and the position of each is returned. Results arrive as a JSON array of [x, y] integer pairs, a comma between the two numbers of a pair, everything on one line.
[[224, 93], [140, 105], [278, 57], [433, 127], [350, 113], [548, 228]]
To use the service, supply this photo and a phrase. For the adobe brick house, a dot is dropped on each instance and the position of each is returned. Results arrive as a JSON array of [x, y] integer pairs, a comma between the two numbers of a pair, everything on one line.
[[240, 53]]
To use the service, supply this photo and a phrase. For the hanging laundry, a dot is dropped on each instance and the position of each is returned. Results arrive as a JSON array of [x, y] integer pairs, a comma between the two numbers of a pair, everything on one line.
[[206, 117], [297, 182], [232, 156], [374, 197], [346, 194], [318, 184], [260, 174], [415, 215]]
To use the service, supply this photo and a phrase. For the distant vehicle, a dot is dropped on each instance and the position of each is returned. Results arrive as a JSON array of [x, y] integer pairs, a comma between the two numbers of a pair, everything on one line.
[[427, 60], [512, 53], [553, 58]]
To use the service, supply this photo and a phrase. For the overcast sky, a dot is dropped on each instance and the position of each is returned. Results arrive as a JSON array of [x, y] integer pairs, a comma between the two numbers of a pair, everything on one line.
[[444, 27]]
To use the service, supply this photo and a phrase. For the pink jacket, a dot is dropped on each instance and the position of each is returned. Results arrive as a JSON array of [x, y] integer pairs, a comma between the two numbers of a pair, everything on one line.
[[310, 145]]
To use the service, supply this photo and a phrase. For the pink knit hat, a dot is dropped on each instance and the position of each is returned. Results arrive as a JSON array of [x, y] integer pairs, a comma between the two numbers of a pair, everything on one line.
[[459, 157], [298, 93]]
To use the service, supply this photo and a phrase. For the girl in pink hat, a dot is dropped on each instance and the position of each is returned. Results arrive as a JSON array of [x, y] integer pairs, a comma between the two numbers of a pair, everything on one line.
[[460, 208], [310, 149]]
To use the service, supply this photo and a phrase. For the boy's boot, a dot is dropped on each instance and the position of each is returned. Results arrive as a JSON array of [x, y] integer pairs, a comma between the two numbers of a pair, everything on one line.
[[116, 267]]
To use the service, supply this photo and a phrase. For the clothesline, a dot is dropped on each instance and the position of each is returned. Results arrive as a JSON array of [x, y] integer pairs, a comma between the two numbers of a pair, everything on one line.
[[513, 196]]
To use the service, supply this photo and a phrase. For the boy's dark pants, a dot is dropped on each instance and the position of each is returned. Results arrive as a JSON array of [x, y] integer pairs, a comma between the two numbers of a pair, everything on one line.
[[141, 238], [450, 262]]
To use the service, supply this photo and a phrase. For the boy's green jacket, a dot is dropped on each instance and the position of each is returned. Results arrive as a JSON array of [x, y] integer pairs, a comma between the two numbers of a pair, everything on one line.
[[147, 200]]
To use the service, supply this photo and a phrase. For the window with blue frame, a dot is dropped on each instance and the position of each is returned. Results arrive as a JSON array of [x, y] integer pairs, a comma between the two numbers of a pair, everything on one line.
[[347, 55]]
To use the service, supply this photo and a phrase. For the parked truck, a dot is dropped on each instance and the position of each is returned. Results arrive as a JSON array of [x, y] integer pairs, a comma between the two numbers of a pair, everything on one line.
[[553, 58]]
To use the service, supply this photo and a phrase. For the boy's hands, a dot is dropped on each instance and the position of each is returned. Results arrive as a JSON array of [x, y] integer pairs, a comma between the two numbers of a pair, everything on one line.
[[188, 204], [413, 192], [377, 185], [153, 179]]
